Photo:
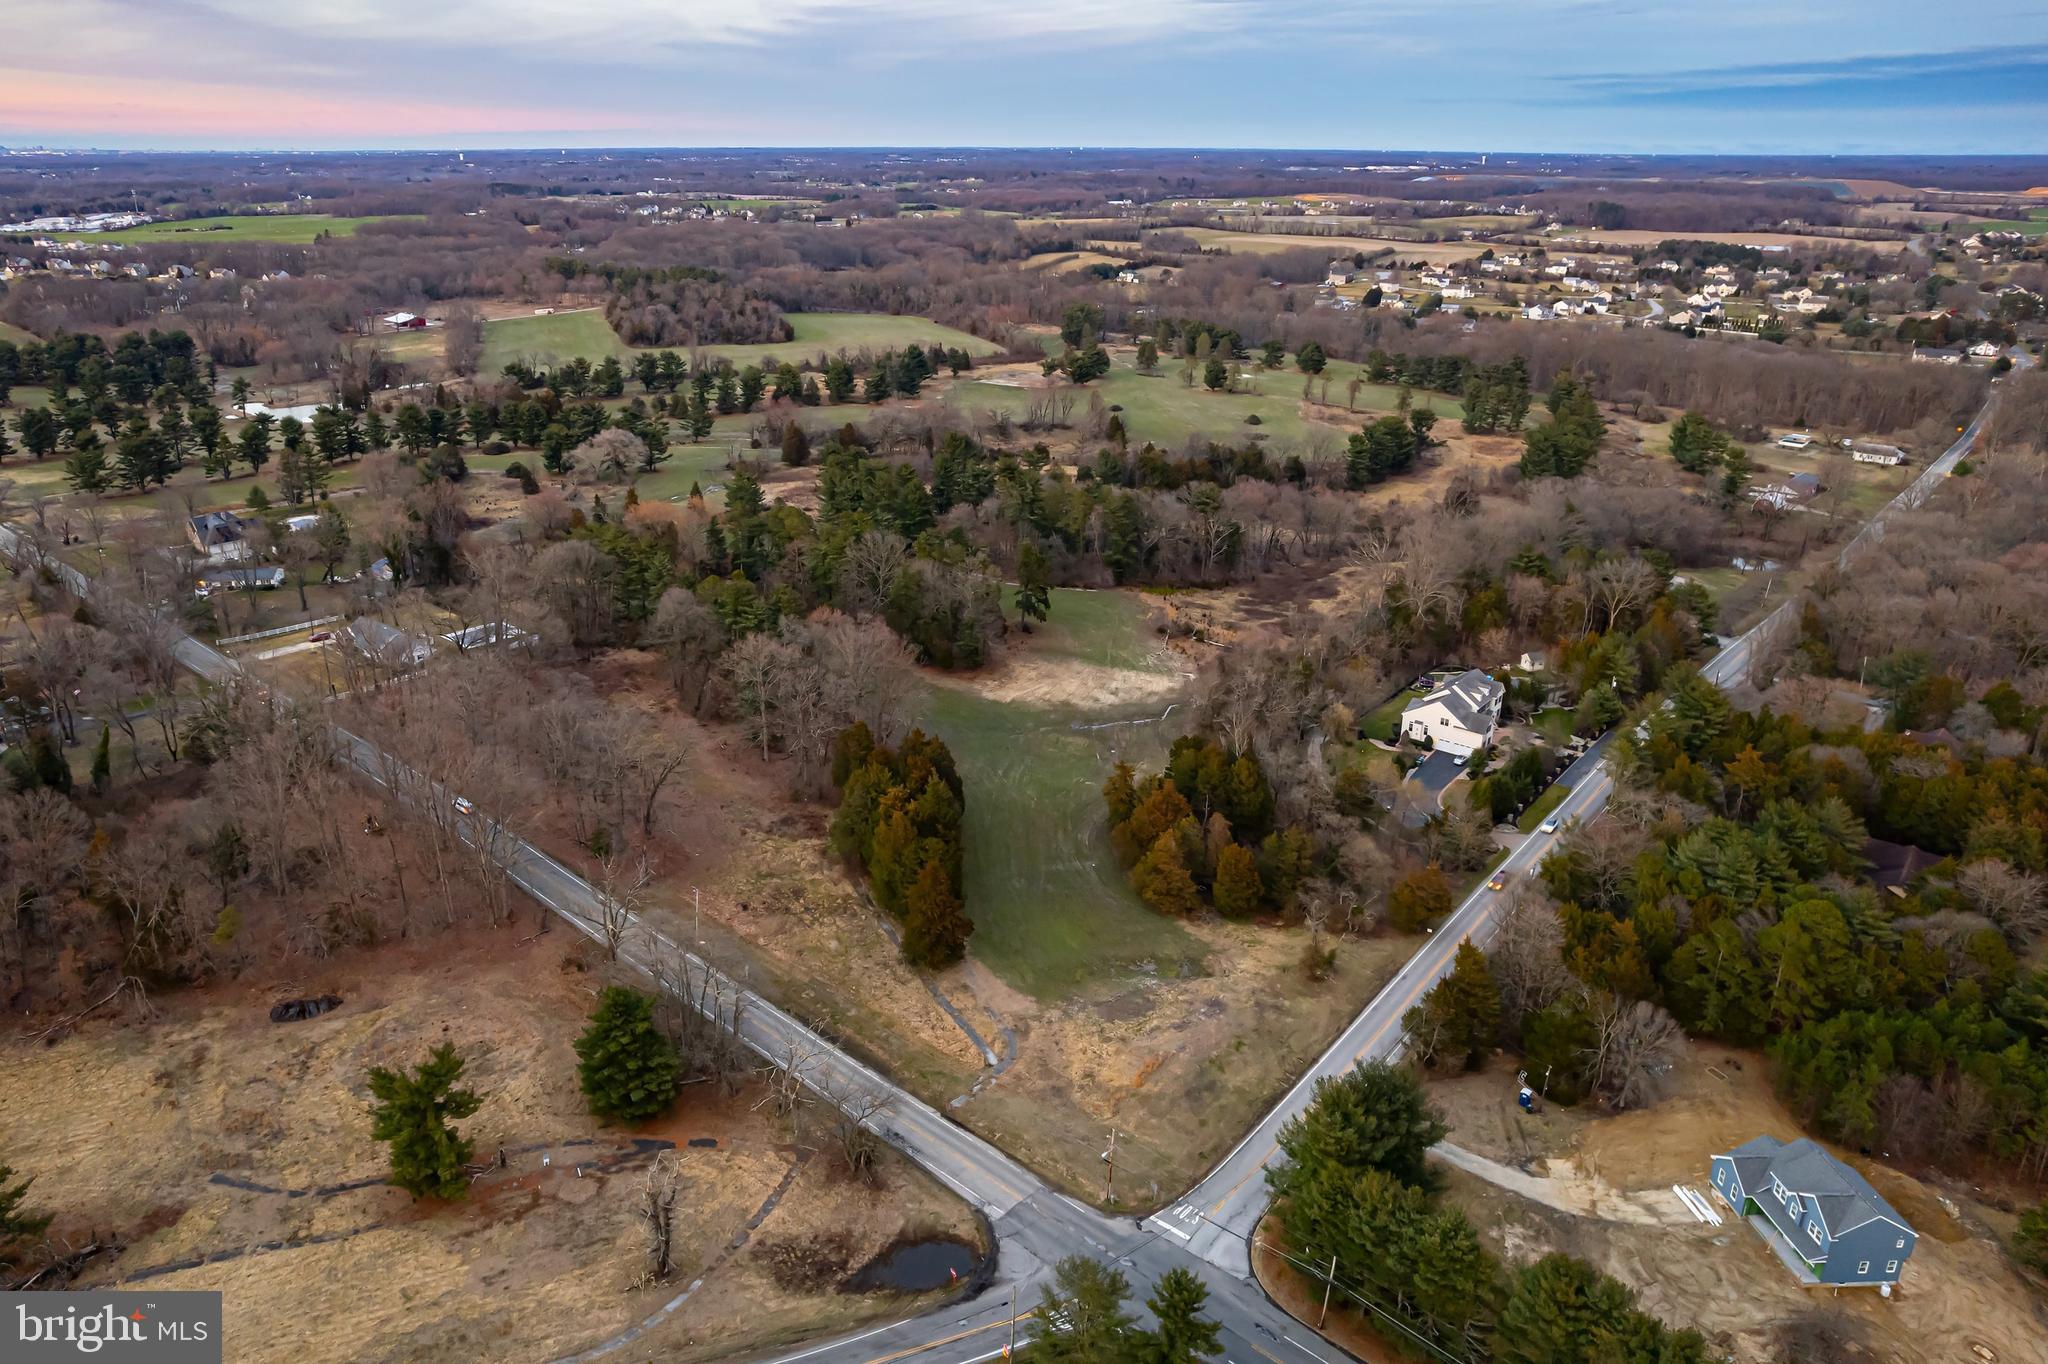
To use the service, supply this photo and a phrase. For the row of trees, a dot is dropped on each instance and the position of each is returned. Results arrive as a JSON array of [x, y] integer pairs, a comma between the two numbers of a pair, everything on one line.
[[1203, 831], [898, 821]]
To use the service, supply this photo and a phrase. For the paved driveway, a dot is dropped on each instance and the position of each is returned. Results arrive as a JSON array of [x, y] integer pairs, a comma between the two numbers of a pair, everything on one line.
[[1427, 781]]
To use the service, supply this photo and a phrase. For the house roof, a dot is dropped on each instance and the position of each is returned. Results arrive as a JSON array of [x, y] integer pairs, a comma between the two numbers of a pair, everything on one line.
[[217, 526], [1470, 698], [1841, 1198]]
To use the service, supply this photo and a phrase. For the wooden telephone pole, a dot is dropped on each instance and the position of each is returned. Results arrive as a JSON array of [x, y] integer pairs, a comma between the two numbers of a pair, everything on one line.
[[1109, 1158]]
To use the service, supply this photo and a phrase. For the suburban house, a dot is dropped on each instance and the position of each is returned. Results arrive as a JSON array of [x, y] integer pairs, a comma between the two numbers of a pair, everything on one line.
[[404, 322], [1887, 455], [1340, 272], [1985, 350], [387, 644], [239, 580], [1458, 716], [1937, 355], [1822, 1218], [216, 534]]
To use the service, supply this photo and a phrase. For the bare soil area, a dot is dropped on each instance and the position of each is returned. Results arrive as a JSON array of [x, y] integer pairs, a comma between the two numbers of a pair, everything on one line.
[[1599, 1186], [231, 1153]]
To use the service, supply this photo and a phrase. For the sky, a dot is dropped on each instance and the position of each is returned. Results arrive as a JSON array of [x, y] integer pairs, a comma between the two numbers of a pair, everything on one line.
[[1737, 76]]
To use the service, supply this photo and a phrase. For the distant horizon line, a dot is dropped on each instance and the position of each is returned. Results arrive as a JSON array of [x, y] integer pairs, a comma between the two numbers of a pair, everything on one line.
[[557, 149]]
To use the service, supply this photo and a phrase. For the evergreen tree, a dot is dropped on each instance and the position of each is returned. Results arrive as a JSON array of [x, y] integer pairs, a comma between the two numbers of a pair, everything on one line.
[[1161, 878], [1080, 1315], [626, 1066], [1183, 1335], [796, 447], [17, 1224], [1309, 359], [1034, 585], [412, 1114], [1373, 1117], [1459, 1019], [935, 926], [85, 469], [1237, 890]]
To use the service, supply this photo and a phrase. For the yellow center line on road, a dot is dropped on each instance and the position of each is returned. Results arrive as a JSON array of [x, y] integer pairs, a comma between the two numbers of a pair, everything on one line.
[[948, 1340]]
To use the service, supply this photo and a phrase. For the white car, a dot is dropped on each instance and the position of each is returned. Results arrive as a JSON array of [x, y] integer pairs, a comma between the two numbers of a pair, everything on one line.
[[1458, 759], [463, 806], [1549, 826]]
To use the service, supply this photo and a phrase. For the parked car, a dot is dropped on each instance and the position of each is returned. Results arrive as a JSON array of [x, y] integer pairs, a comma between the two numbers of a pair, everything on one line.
[[1459, 759]]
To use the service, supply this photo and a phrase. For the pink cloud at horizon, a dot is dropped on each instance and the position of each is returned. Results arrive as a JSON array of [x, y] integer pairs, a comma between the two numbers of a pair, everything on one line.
[[76, 104]]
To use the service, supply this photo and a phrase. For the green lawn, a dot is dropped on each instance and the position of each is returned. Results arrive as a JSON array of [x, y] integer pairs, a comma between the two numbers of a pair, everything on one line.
[[1383, 722], [554, 337], [20, 336], [2033, 225], [1111, 628], [1544, 804], [1052, 907], [1554, 723], [1162, 409], [295, 229]]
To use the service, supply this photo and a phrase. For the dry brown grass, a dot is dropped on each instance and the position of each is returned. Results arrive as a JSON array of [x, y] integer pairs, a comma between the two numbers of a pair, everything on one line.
[[538, 1262]]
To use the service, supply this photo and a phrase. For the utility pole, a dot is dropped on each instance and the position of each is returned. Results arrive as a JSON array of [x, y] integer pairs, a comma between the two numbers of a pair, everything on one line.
[[1010, 1350], [1328, 1285], [697, 910], [1109, 1158]]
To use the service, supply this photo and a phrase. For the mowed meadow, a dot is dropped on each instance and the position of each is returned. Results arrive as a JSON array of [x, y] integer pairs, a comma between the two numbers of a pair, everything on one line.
[[551, 338], [291, 229]]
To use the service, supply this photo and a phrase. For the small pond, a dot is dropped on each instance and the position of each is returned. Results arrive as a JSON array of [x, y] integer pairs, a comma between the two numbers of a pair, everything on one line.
[[915, 1267]]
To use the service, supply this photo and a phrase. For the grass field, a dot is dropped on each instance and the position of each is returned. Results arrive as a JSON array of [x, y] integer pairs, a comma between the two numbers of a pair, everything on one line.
[[20, 336], [294, 229], [555, 337], [2033, 225], [1267, 242], [1052, 907], [1160, 408], [1104, 628]]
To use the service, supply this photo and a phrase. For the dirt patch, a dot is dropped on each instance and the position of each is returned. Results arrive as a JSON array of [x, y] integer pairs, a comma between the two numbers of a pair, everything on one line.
[[1957, 1286], [1044, 682], [231, 1153]]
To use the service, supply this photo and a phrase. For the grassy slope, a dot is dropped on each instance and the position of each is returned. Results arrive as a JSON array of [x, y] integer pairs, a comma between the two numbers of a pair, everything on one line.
[[291, 228], [1052, 907], [18, 335]]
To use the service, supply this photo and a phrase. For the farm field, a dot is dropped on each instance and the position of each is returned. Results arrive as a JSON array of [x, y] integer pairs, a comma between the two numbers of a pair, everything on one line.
[[2033, 225], [1628, 239], [554, 337], [294, 229], [20, 336], [321, 1261], [1266, 242], [1067, 262]]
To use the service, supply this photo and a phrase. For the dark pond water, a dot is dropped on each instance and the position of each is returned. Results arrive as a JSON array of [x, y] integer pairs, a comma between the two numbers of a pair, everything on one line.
[[914, 1267]]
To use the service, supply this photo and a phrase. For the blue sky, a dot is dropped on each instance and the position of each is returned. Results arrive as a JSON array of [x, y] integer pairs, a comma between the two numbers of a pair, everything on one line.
[[1861, 76]]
